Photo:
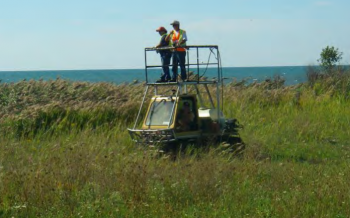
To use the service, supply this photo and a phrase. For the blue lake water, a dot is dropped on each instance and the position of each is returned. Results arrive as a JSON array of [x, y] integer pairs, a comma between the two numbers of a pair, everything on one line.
[[292, 74]]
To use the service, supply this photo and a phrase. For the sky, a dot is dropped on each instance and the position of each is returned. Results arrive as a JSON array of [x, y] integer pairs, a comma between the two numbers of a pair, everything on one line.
[[112, 34]]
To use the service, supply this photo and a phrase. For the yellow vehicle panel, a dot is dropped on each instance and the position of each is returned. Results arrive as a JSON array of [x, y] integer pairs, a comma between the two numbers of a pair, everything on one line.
[[159, 113], [160, 109]]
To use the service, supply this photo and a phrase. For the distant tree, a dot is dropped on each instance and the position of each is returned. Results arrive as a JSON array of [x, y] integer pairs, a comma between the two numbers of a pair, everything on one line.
[[330, 57]]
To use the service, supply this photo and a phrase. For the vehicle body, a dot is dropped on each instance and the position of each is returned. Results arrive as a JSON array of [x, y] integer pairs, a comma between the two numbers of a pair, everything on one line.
[[185, 112]]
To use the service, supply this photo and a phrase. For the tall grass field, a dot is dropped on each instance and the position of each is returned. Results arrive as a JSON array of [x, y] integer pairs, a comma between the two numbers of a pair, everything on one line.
[[65, 152]]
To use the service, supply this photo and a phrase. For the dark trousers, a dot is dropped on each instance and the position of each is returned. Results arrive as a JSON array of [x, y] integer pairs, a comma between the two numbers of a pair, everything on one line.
[[165, 58], [179, 58]]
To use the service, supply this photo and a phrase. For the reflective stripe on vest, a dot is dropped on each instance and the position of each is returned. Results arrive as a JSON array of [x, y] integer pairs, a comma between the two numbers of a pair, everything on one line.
[[176, 38]]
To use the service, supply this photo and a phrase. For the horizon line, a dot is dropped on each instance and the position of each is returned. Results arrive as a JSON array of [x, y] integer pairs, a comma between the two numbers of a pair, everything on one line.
[[31, 70]]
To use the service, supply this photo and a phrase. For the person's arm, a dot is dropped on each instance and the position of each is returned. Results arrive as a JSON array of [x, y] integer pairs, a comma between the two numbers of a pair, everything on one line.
[[157, 46], [160, 42], [192, 116], [168, 37]]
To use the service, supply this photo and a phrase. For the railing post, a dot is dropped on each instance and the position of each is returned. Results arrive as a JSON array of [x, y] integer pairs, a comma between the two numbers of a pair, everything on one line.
[[146, 66], [143, 100]]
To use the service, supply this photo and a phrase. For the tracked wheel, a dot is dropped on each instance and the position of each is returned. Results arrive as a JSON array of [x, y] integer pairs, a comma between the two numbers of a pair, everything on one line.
[[232, 144]]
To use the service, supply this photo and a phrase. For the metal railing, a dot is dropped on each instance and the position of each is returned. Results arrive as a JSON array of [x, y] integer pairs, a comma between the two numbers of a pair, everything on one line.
[[212, 48]]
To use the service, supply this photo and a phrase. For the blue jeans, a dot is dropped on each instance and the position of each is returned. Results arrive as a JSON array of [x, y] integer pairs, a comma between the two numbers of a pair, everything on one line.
[[179, 58], [165, 58]]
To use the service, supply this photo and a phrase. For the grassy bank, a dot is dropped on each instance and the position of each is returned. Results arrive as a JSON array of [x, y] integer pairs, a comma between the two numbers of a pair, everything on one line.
[[65, 152]]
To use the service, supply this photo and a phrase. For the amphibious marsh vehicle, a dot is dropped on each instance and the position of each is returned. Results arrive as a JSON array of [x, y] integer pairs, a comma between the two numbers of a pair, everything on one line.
[[184, 112]]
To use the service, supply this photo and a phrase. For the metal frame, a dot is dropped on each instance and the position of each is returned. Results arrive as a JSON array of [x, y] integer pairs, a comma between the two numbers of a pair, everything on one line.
[[168, 135], [152, 136], [174, 106], [143, 101]]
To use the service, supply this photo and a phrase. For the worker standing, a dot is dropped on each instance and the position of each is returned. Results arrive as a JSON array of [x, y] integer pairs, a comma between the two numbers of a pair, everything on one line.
[[165, 55], [177, 38]]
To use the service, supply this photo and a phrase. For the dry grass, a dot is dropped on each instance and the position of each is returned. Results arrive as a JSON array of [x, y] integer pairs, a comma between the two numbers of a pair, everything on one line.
[[296, 162]]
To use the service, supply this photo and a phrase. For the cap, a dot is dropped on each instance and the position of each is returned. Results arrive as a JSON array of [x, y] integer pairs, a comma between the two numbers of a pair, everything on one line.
[[175, 22], [161, 29]]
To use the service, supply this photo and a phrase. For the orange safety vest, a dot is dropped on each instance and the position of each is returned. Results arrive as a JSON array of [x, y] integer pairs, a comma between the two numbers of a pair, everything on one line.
[[176, 38]]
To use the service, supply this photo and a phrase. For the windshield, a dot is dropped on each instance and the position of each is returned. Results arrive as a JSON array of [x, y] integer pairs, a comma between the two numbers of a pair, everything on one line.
[[160, 113]]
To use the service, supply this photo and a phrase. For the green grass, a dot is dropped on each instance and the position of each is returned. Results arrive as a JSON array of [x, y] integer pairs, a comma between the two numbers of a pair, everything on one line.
[[65, 152]]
